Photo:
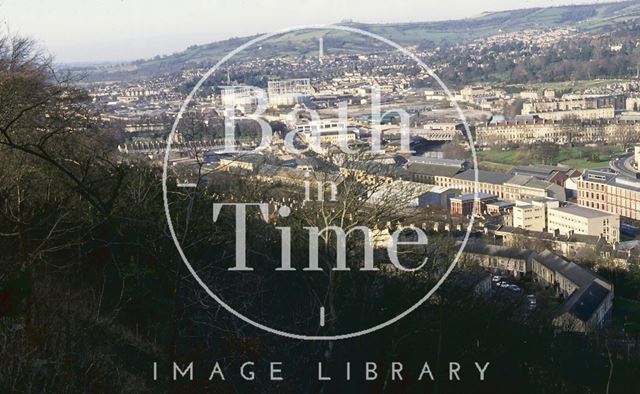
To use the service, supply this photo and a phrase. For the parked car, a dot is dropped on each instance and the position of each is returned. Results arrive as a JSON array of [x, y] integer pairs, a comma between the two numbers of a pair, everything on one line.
[[532, 301], [496, 278], [515, 288], [504, 284]]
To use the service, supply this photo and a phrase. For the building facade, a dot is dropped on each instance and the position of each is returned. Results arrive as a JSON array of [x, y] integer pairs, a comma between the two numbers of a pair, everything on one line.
[[505, 186], [580, 114], [463, 205], [588, 299], [529, 217], [572, 219], [500, 259], [527, 132], [611, 193]]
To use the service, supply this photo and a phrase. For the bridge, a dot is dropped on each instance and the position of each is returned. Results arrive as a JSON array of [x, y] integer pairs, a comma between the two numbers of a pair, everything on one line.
[[427, 134], [158, 147]]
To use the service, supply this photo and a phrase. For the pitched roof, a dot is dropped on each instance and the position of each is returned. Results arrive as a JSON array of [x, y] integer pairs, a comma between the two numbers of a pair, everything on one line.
[[497, 178], [432, 169], [629, 245], [529, 181], [584, 302], [520, 180], [573, 272], [495, 250], [541, 170]]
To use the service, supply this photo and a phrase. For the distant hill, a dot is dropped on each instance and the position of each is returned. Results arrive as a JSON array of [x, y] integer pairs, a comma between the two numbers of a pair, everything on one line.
[[590, 17]]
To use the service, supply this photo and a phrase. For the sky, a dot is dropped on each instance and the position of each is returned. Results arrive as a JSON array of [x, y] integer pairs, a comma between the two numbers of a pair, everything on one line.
[[119, 30]]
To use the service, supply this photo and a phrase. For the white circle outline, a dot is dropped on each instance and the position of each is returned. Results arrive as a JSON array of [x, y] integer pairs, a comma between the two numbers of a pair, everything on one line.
[[218, 299]]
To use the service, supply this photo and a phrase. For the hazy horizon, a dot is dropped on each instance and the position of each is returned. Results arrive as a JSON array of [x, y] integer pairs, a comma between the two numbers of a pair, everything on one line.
[[96, 31]]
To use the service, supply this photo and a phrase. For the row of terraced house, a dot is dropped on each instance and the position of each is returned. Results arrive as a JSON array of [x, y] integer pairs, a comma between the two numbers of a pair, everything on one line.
[[534, 131], [587, 298]]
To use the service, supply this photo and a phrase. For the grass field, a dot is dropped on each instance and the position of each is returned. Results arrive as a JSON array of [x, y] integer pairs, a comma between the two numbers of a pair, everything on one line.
[[492, 166], [582, 164], [576, 157]]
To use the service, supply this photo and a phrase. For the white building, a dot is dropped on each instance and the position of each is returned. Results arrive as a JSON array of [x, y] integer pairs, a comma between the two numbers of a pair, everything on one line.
[[322, 126], [574, 219], [581, 114], [529, 217], [532, 214], [289, 91], [242, 96]]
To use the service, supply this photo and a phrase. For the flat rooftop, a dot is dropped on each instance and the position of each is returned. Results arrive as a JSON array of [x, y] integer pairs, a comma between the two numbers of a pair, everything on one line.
[[471, 196], [581, 211], [501, 204]]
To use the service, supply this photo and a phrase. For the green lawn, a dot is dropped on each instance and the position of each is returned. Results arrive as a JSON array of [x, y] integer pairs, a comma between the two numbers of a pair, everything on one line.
[[491, 166], [576, 157], [582, 164], [499, 156]]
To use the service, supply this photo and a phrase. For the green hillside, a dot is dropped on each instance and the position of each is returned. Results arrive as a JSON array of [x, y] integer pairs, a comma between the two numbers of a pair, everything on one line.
[[591, 17]]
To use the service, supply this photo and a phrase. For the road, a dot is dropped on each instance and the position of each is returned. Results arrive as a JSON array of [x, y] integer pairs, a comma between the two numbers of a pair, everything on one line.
[[623, 165]]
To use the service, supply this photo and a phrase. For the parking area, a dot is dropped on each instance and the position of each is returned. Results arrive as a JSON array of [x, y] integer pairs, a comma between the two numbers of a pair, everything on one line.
[[514, 289]]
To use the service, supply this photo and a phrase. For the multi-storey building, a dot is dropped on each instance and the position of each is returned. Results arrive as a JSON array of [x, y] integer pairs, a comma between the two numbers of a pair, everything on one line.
[[546, 105], [531, 214], [540, 131], [425, 169], [588, 298], [553, 174], [572, 219], [500, 259], [463, 205], [528, 216], [289, 91], [321, 126], [242, 95], [520, 132], [573, 103], [505, 186], [611, 193], [581, 114]]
